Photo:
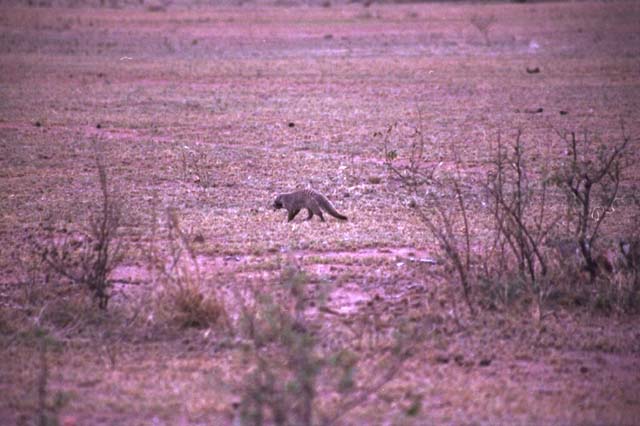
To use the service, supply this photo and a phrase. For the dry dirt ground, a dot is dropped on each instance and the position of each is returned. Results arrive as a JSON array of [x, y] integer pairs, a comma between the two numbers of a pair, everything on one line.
[[210, 112]]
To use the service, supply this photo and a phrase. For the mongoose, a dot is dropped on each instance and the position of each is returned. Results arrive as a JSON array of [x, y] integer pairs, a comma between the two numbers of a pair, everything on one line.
[[308, 199]]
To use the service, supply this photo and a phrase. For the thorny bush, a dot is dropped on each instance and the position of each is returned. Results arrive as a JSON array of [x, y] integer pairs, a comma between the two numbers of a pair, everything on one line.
[[524, 214], [88, 257]]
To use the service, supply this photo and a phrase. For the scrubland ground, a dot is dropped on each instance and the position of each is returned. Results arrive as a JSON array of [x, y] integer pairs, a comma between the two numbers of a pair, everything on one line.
[[200, 115]]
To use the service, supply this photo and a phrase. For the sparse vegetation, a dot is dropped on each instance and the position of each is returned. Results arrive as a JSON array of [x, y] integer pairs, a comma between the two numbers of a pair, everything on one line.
[[515, 265], [289, 367], [87, 257], [522, 220], [448, 223], [483, 24], [457, 292], [591, 177], [197, 166], [182, 294]]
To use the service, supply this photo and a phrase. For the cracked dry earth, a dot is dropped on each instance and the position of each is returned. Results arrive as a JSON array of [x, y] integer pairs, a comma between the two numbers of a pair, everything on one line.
[[210, 111]]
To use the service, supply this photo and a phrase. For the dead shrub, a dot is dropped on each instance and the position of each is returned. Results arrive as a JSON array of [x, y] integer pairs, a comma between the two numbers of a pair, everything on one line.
[[183, 296], [516, 263], [87, 257], [448, 223], [46, 299], [626, 279], [590, 177], [527, 260]]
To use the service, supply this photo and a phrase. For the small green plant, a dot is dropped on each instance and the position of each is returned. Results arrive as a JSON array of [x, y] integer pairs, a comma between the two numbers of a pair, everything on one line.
[[283, 383], [290, 366]]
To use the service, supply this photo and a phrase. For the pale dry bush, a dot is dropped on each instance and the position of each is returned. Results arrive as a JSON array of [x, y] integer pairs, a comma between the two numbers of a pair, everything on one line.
[[527, 260], [516, 265], [183, 296], [85, 255], [413, 164], [591, 175]]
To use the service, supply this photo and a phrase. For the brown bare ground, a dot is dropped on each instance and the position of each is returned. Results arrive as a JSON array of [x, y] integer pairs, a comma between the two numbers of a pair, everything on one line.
[[271, 98]]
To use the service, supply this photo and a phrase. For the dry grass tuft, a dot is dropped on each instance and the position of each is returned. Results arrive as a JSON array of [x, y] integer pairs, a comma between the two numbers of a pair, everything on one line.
[[183, 296], [186, 305]]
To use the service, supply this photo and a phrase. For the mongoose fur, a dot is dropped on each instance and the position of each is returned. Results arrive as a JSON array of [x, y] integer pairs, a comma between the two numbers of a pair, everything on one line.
[[308, 199]]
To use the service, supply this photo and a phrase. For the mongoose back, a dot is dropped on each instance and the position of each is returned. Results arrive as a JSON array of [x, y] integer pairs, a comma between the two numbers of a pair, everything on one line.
[[308, 199]]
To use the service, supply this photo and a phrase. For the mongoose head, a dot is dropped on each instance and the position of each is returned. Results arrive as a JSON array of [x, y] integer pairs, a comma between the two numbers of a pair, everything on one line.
[[277, 204]]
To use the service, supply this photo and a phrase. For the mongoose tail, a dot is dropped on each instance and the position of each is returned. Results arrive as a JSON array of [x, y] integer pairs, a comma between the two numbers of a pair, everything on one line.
[[328, 207]]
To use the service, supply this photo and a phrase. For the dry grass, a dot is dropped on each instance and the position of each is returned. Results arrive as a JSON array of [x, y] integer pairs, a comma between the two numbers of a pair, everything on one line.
[[184, 295], [208, 112]]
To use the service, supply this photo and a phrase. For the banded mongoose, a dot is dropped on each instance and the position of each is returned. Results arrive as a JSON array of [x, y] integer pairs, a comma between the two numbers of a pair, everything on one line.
[[308, 199]]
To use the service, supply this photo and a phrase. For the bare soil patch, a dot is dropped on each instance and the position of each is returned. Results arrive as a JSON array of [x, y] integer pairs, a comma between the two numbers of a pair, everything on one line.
[[210, 112]]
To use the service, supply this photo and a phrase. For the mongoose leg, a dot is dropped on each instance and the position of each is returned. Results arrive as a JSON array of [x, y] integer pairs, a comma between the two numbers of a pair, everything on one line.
[[319, 213], [310, 214], [293, 214]]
